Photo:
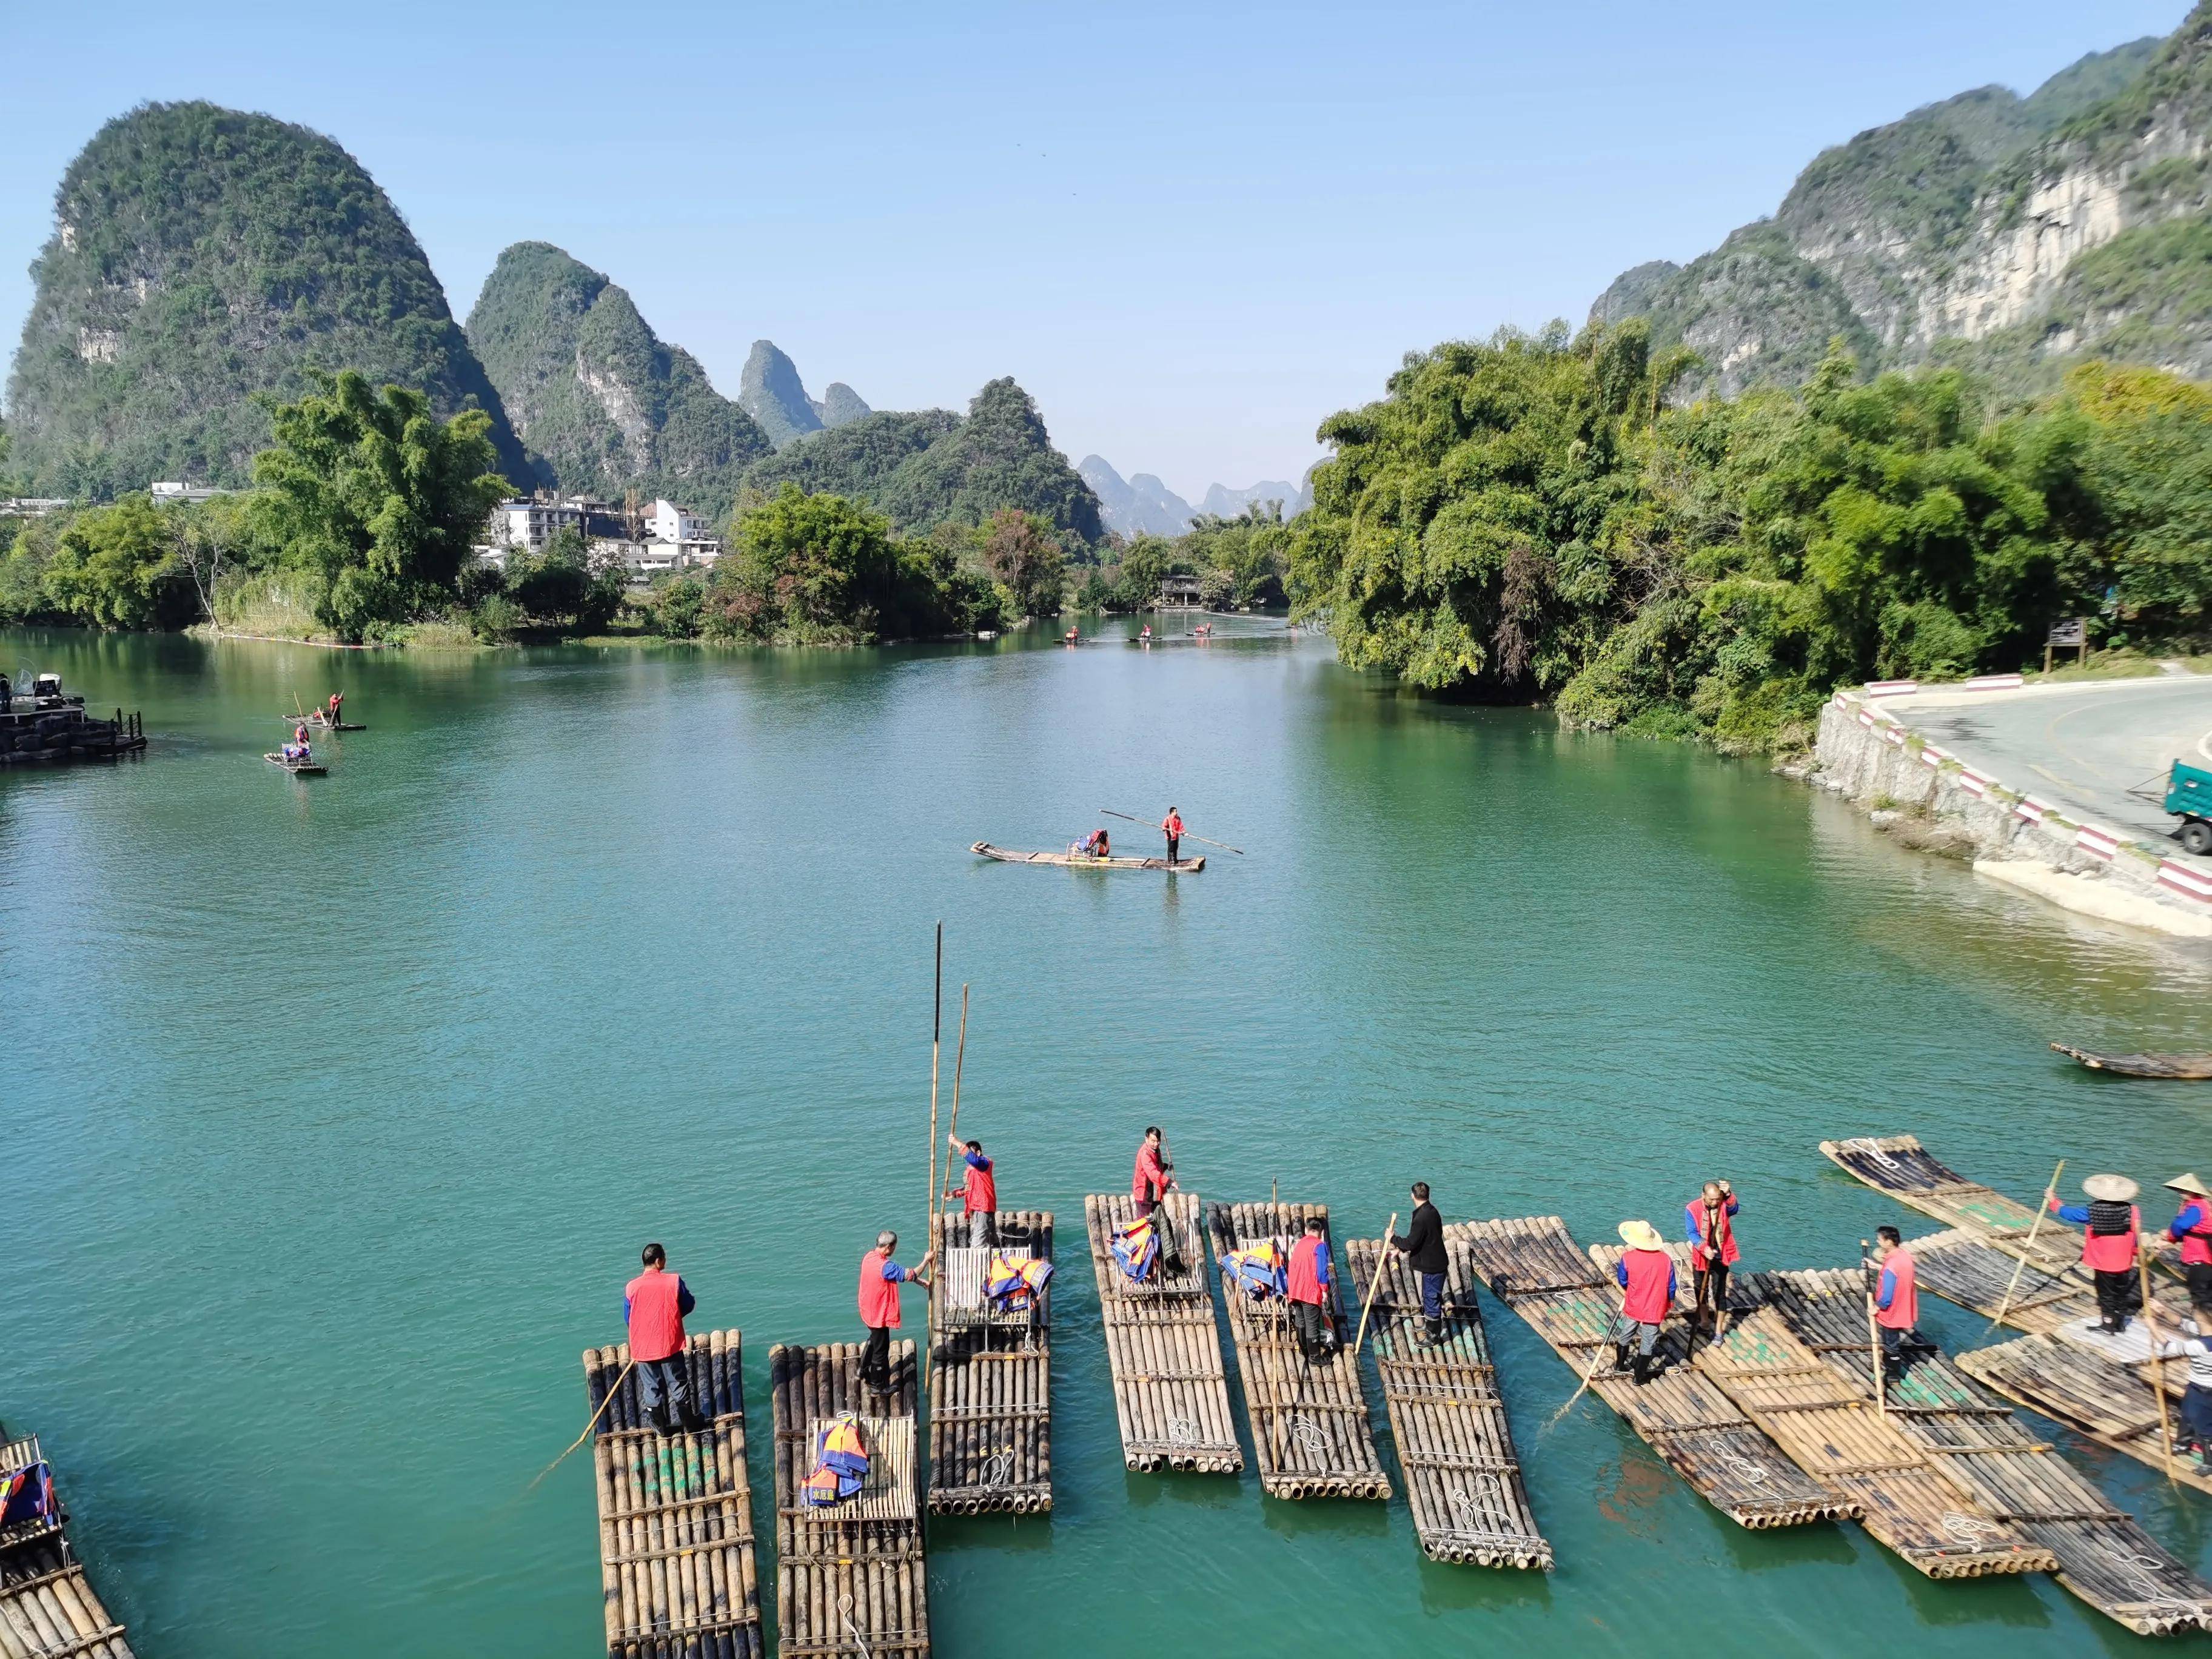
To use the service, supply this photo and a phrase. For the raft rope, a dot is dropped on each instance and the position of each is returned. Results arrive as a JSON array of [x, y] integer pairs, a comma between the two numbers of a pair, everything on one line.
[[1969, 1529], [1308, 1433], [845, 1612], [2140, 1574], [1874, 1150], [1183, 1431], [1743, 1469], [998, 1468]]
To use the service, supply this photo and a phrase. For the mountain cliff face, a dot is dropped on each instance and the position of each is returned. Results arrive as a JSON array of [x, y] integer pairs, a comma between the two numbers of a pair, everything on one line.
[[602, 404], [770, 391], [201, 255], [1137, 506], [838, 405], [2018, 234]]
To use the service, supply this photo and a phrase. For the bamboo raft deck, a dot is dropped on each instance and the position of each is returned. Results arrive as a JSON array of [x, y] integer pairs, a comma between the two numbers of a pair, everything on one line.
[[48, 1608], [676, 1521], [1170, 1389], [990, 1386], [1455, 1445], [1900, 1166], [1189, 866], [2184, 1067], [849, 1580], [1960, 1267], [1533, 1265], [2096, 1396], [2105, 1557], [1310, 1428], [1909, 1500]]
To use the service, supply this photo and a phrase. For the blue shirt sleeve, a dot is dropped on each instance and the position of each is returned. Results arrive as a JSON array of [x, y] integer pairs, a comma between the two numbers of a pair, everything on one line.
[[685, 1304], [1620, 1272], [1690, 1223], [1325, 1270], [2193, 1214], [625, 1311], [2076, 1213], [1733, 1207], [1670, 1281], [894, 1273], [1889, 1292], [976, 1160]]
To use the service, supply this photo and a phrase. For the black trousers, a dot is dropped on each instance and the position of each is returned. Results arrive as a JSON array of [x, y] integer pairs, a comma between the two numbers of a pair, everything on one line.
[[1173, 841], [1315, 1336], [2199, 1275], [1894, 1343], [875, 1363], [2119, 1296], [664, 1392], [1713, 1281]]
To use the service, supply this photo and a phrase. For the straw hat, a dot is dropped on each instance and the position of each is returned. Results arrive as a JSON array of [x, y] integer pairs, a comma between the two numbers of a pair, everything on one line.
[[2189, 1183], [2111, 1189], [1641, 1236]]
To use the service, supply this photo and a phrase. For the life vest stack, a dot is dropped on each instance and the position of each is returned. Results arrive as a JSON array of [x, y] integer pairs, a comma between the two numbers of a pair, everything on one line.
[[677, 1562], [990, 1369], [849, 1575], [47, 1605], [1171, 1388], [1310, 1430]]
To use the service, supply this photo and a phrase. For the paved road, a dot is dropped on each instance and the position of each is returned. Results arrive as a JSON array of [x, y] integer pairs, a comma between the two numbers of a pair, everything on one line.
[[2080, 747]]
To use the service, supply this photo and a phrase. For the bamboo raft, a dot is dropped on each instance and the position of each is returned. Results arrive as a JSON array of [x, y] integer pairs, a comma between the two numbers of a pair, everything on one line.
[[48, 1609], [849, 1580], [1309, 1425], [1455, 1446], [676, 1522], [1170, 1390], [2096, 1396], [1909, 1500], [1533, 1265], [990, 1399], [1960, 1267], [2104, 1557], [1084, 861], [298, 768], [1900, 1166], [2180, 1068]]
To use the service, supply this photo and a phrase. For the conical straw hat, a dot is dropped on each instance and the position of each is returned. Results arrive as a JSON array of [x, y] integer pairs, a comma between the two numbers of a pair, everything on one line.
[[2189, 1183], [2111, 1189], [1641, 1236]]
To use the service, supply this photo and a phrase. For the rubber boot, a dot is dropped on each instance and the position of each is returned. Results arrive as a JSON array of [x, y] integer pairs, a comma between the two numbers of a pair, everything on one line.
[[1644, 1369], [1435, 1333], [1621, 1356]]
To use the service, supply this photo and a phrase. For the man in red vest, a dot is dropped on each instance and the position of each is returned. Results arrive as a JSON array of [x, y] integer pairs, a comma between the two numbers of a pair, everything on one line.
[[1896, 1301], [979, 1195], [654, 1306], [1154, 1176], [1173, 825], [2192, 1230], [2112, 1228], [1710, 1218], [880, 1278], [1645, 1274], [1310, 1282]]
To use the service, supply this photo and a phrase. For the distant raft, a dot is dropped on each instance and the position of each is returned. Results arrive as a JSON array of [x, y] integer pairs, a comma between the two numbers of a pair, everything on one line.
[[2193, 1068], [298, 768], [1084, 862]]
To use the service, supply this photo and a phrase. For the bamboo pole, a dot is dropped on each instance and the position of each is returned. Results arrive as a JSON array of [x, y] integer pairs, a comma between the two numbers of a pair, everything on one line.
[[2027, 1250], [936, 1039], [2157, 1360], [1382, 1262], [1873, 1330], [1186, 835], [588, 1427]]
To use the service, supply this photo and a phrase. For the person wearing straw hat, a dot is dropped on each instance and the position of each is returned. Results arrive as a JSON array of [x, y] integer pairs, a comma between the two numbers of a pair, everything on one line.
[[2192, 1230], [1645, 1274], [2112, 1229]]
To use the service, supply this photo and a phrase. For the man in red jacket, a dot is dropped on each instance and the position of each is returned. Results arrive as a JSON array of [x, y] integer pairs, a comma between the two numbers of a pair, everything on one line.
[[979, 1193], [654, 1306], [1645, 1274], [880, 1278], [1309, 1280]]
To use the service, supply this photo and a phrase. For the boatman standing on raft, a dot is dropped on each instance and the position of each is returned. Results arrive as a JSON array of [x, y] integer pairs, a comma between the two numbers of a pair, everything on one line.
[[2192, 1230], [1173, 825], [654, 1306], [880, 1278], [1309, 1281], [2112, 1229], [1896, 1301], [979, 1195], [1711, 1217], [1645, 1274], [1423, 1246], [1154, 1176]]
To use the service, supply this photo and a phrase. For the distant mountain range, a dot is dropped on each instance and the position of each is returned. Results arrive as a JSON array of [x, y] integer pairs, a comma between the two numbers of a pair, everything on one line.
[[1142, 505]]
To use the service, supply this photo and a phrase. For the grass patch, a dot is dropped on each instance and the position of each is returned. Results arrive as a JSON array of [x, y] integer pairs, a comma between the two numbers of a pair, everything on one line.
[[2125, 663]]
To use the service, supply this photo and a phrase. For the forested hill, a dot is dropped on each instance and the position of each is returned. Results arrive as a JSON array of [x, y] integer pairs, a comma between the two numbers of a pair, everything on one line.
[[2014, 235], [933, 467], [602, 404], [200, 256]]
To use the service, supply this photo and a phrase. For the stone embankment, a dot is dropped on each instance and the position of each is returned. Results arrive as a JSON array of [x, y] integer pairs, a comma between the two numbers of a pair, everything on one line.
[[1929, 799]]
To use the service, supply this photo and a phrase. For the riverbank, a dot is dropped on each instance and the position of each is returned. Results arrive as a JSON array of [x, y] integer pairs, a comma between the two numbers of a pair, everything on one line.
[[1927, 797]]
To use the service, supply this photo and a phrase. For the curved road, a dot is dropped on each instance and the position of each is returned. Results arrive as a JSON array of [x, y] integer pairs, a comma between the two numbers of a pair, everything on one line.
[[2081, 747]]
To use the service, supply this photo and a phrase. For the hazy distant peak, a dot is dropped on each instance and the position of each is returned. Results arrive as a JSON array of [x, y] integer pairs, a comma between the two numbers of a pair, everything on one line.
[[771, 390]]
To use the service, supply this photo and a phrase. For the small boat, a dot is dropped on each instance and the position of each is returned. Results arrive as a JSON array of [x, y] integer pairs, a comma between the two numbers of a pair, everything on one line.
[[305, 769], [320, 722], [2182, 1067], [1082, 861]]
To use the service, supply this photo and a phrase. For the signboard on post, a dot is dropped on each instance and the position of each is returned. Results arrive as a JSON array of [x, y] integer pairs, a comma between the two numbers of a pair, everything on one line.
[[2068, 633]]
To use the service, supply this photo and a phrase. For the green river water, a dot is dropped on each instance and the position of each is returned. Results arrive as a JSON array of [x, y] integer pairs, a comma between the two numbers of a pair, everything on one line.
[[335, 1112]]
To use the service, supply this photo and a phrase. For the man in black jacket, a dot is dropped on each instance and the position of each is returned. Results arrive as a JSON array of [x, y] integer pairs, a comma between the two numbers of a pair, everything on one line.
[[1424, 1247]]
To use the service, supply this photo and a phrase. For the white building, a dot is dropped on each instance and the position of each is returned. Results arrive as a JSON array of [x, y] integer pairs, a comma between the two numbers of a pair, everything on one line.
[[671, 523], [171, 493], [531, 524]]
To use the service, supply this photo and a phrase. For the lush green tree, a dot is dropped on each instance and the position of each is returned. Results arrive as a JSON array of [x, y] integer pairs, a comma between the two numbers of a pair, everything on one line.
[[1020, 551], [118, 567], [1145, 562], [377, 496], [1247, 558], [557, 587]]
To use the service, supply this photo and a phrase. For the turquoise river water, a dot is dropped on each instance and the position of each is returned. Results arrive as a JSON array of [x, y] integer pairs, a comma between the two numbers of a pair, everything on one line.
[[333, 1112]]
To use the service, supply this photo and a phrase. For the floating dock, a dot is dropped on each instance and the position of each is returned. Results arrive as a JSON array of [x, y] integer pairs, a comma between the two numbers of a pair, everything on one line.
[[48, 1609], [1309, 1425], [1455, 1445], [1533, 1265], [2105, 1557], [49, 730], [676, 1521], [2097, 1394], [990, 1378], [1905, 1496], [1170, 1390], [849, 1580]]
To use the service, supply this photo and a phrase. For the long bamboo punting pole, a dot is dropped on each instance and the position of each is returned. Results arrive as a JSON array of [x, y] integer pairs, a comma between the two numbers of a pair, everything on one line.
[[959, 1060], [588, 1427], [2021, 1267], [936, 1039], [1874, 1329], [1382, 1262], [1186, 835], [2157, 1361]]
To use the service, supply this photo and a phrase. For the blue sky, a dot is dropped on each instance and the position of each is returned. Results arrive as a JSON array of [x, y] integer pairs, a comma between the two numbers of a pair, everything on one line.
[[1190, 231]]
